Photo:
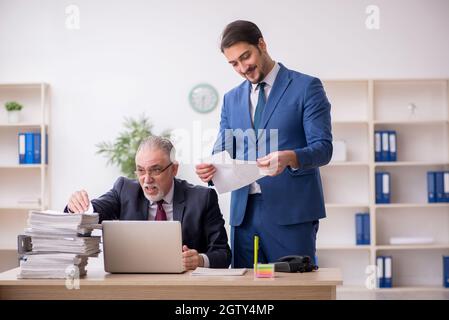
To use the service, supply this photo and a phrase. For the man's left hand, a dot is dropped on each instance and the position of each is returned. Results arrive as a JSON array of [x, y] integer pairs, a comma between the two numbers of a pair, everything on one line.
[[276, 162], [191, 258]]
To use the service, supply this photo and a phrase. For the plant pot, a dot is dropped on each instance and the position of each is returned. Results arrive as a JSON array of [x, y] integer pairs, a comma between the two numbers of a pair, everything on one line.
[[14, 116]]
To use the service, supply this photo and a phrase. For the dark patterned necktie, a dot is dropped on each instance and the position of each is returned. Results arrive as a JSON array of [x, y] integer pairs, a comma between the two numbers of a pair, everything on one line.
[[160, 212]]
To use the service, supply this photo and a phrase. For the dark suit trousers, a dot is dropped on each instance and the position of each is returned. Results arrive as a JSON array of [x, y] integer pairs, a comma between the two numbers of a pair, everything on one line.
[[275, 240]]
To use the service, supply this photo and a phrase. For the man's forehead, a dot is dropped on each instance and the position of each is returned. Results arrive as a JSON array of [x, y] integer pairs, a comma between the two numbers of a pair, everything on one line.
[[150, 157], [235, 51]]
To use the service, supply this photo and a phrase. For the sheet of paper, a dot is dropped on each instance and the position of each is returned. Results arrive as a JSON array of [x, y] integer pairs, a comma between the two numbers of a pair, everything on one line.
[[218, 272], [232, 174]]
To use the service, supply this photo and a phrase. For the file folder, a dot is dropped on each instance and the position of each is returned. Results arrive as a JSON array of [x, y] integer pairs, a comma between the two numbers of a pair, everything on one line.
[[21, 148], [439, 186], [392, 146], [377, 146], [386, 187], [385, 146], [380, 271], [378, 187], [431, 190], [388, 282], [446, 186], [29, 148], [446, 271], [366, 235], [37, 148], [359, 228]]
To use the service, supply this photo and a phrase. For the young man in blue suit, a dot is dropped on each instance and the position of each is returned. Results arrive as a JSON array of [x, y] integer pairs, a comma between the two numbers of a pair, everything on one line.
[[290, 113], [158, 195]]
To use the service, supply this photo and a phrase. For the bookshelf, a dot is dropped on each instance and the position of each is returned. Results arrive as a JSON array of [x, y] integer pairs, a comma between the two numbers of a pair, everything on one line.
[[23, 187], [418, 110]]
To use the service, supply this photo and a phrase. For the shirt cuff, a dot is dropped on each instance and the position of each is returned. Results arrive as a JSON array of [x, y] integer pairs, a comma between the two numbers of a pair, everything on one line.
[[206, 260]]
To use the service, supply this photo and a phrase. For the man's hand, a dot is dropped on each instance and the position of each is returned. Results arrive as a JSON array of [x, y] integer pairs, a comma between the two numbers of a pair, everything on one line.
[[205, 171], [79, 202], [191, 258], [276, 162]]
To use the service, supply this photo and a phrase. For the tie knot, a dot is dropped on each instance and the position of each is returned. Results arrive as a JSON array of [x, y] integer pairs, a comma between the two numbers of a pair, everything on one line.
[[261, 85], [160, 202]]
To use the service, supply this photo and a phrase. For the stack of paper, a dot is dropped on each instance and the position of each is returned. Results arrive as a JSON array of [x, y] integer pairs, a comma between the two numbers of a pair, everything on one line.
[[218, 272], [61, 244], [411, 240]]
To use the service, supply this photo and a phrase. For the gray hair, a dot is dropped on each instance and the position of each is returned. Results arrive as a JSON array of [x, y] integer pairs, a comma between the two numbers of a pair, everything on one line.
[[160, 143]]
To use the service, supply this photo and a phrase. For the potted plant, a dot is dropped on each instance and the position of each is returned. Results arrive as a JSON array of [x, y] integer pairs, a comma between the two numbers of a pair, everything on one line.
[[122, 151], [13, 109]]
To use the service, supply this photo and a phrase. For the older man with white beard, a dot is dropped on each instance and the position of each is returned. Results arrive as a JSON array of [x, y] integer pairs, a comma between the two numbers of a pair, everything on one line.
[[158, 195]]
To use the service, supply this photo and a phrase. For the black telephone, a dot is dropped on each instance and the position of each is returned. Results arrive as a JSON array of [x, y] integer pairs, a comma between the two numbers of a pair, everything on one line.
[[295, 264]]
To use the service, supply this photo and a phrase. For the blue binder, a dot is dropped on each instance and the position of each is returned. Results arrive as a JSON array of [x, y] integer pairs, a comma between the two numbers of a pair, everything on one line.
[[446, 186], [431, 190], [385, 146], [359, 228], [388, 270], [380, 272], [29, 148], [378, 187], [383, 186], [21, 147], [439, 186], [386, 187], [377, 146], [37, 148], [446, 271], [392, 154], [366, 234]]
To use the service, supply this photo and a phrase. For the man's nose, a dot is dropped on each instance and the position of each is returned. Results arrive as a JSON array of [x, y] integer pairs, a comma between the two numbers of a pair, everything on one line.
[[148, 179]]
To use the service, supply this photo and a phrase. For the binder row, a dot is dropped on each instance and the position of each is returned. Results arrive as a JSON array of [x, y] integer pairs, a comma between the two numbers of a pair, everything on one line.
[[30, 148], [385, 146], [438, 186], [362, 228], [383, 187], [384, 271]]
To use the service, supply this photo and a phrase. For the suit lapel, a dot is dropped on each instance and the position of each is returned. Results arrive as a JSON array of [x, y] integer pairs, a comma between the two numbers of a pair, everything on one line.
[[279, 86], [178, 202], [144, 207]]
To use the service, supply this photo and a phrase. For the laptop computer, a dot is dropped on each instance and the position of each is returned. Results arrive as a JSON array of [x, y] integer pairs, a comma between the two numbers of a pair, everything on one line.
[[142, 247]]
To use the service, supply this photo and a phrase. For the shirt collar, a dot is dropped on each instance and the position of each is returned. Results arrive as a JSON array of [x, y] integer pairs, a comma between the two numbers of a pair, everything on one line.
[[168, 198], [270, 77]]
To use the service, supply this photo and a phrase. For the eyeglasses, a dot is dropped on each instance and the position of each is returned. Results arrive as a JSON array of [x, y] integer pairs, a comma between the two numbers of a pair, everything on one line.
[[151, 172]]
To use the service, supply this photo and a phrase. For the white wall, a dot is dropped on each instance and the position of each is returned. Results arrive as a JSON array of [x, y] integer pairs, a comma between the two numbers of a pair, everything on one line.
[[131, 57]]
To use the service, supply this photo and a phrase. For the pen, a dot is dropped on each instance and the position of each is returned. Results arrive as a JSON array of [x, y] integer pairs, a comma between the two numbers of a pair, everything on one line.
[[256, 251]]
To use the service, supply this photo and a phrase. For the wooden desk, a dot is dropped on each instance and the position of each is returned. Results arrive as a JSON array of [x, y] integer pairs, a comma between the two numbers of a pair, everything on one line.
[[97, 284]]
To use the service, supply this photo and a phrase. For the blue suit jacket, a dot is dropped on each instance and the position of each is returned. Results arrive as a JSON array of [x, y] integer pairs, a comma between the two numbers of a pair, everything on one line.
[[298, 107], [195, 207]]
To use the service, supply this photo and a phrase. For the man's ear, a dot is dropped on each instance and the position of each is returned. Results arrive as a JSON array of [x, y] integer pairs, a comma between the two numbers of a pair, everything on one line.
[[175, 167], [262, 45]]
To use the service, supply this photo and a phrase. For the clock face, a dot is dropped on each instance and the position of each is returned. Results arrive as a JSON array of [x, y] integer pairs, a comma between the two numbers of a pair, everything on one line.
[[203, 98]]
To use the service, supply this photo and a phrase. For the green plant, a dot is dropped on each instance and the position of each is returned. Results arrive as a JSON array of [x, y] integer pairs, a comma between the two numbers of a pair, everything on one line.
[[13, 106], [122, 151]]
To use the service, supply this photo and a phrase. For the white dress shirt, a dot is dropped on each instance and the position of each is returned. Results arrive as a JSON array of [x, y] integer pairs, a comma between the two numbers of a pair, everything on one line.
[[254, 95]]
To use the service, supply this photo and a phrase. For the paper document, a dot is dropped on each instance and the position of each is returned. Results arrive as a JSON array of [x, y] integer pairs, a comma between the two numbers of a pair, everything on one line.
[[411, 240], [218, 272], [232, 174]]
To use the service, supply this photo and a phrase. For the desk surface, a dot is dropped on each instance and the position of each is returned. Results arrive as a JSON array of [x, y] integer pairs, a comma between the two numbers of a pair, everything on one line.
[[98, 284]]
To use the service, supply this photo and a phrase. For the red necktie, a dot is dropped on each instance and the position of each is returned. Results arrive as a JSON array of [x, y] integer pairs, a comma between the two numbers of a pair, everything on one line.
[[160, 212]]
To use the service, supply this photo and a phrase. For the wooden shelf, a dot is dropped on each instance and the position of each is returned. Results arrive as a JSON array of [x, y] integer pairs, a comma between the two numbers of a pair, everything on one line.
[[412, 122], [346, 205], [409, 164], [413, 247], [347, 164], [21, 125], [345, 247], [23, 166], [350, 122], [393, 289], [412, 205]]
